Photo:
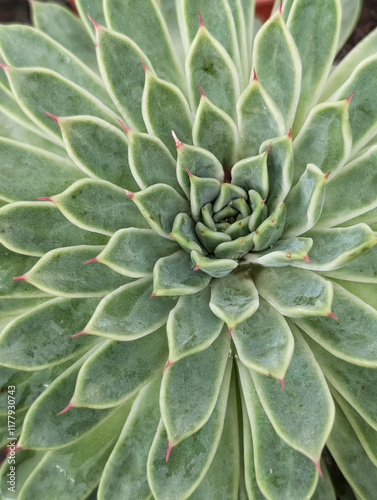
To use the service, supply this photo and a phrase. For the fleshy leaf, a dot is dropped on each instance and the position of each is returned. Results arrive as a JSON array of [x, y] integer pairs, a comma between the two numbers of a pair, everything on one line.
[[174, 275], [191, 326], [36, 228], [363, 269], [61, 272], [217, 268], [202, 191], [130, 312], [252, 173], [271, 228], [183, 232], [284, 253], [234, 298], [128, 367], [129, 251], [264, 341], [190, 389], [294, 292], [98, 206]]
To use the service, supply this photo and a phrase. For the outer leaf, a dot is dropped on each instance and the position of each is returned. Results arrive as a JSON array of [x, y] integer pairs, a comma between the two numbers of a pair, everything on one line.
[[129, 312], [98, 148], [264, 341], [363, 269], [61, 272], [252, 173], [350, 14], [284, 253], [98, 206], [325, 139], [259, 119], [50, 91], [191, 326], [317, 47], [209, 65], [39, 338], [271, 229], [129, 251], [47, 173], [278, 66], [36, 228], [304, 412], [174, 275], [234, 298], [367, 292], [352, 192], [128, 366], [282, 473], [294, 292], [165, 109], [305, 201], [190, 389], [166, 478], [351, 457], [123, 476], [217, 268], [131, 19], [350, 338]]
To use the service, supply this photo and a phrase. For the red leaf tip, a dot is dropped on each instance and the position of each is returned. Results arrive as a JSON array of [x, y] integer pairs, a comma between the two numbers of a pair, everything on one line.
[[202, 94], [290, 133], [255, 78], [306, 259], [129, 193], [350, 97], [4, 66], [281, 380], [168, 363], [14, 450], [327, 175], [318, 467], [56, 118], [68, 407], [77, 334], [178, 143], [268, 149], [230, 329], [126, 129], [196, 268], [154, 294], [201, 24], [45, 198], [144, 65], [170, 447], [333, 316], [91, 260], [280, 9], [188, 172], [95, 24], [22, 278]]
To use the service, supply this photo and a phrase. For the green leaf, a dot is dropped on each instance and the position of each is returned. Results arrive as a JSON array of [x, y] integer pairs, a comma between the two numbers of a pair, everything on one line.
[[295, 293], [203, 190], [314, 26], [46, 172], [40, 337], [131, 19], [27, 460], [278, 66], [222, 478], [98, 206], [363, 106], [305, 202], [159, 205], [351, 457], [281, 472], [95, 9], [208, 64], [351, 10], [62, 272], [38, 50], [335, 247], [259, 119], [351, 337], [235, 249], [164, 109], [270, 229], [216, 132], [98, 149], [259, 210], [48, 91], [128, 367], [174, 275], [146, 150], [217, 268], [183, 232], [325, 139], [190, 389], [116, 52], [363, 269], [234, 298], [82, 462], [129, 251], [264, 341], [252, 173], [356, 384], [352, 192], [130, 312], [367, 292], [191, 326], [284, 253], [166, 478], [125, 475], [36, 228], [303, 413], [63, 26]]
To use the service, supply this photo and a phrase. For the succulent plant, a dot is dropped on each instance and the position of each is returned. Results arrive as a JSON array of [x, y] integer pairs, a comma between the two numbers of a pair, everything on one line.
[[189, 216]]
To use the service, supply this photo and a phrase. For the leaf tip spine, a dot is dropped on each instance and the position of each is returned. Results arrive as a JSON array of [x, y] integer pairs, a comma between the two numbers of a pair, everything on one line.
[[68, 407], [178, 143], [4, 66], [280, 8], [201, 24], [202, 94], [91, 260], [80, 333], [126, 129], [21, 278], [306, 259], [95, 24], [129, 193], [168, 363], [333, 316], [318, 467], [56, 118], [45, 198], [196, 268], [290, 133], [153, 294], [327, 175], [281, 380], [170, 447], [348, 100], [255, 78], [18, 447], [230, 329], [144, 65]]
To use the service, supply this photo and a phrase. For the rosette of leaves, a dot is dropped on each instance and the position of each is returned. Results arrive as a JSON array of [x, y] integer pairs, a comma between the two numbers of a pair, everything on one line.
[[204, 301]]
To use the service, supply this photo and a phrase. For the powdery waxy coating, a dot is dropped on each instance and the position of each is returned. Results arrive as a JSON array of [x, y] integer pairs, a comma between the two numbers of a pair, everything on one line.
[[189, 215]]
